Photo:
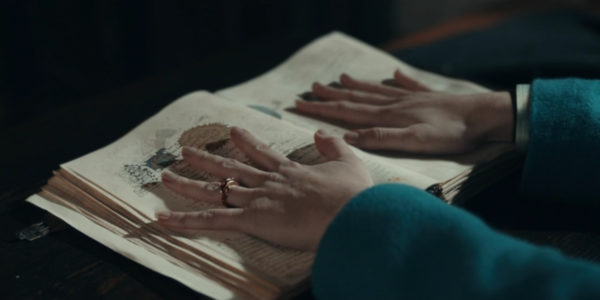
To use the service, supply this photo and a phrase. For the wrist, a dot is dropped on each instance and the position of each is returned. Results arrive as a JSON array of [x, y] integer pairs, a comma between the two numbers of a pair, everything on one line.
[[497, 117]]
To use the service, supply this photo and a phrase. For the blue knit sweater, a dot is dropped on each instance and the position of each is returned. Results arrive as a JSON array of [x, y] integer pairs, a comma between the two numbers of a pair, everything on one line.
[[396, 242]]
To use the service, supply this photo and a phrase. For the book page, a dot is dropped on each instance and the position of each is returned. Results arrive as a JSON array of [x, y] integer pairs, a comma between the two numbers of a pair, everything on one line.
[[323, 61], [125, 176]]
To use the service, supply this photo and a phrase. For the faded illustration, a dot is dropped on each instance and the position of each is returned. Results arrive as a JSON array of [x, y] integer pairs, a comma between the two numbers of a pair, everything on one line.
[[213, 138]]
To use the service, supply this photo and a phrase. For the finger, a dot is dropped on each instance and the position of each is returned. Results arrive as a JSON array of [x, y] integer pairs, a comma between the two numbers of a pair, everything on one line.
[[192, 189], [332, 148], [209, 192], [240, 196], [356, 113], [409, 83], [210, 219], [224, 167], [336, 94], [407, 139], [257, 151], [371, 87]]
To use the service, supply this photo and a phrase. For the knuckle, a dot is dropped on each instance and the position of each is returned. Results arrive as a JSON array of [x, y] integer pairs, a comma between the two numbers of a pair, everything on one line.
[[411, 133], [378, 134], [417, 135], [212, 186], [340, 105], [289, 164], [273, 177], [261, 147], [414, 132], [229, 164], [292, 164], [208, 218]]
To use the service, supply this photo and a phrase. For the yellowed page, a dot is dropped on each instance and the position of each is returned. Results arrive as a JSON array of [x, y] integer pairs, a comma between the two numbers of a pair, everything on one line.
[[323, 61]]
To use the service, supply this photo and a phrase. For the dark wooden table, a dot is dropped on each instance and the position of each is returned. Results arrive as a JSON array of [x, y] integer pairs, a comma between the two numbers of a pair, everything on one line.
[[67, 264]]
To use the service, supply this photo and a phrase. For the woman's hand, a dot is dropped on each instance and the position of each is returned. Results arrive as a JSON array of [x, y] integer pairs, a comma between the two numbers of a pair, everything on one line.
[[281, 201], [413, 118]]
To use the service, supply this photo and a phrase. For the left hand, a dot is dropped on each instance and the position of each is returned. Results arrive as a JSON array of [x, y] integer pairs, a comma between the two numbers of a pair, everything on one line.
[[413, 118], [280, 200]]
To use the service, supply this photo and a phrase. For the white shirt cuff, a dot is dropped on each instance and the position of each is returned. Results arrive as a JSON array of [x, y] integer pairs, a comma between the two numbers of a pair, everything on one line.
[[522, 118]]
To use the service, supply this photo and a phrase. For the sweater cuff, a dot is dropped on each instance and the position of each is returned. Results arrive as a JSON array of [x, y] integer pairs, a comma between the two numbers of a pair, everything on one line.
[[370, 237], [564, 141]]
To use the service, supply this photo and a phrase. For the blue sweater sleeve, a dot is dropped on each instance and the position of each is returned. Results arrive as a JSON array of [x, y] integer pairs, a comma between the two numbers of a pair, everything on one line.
[[398, 242], [563, 155]]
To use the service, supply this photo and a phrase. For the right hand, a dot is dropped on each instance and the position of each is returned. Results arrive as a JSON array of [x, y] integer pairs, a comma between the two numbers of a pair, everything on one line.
[[413, 118]]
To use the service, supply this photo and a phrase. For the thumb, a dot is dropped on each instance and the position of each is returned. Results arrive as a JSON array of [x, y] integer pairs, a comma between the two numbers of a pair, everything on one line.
[[378, 138], [331, 147]]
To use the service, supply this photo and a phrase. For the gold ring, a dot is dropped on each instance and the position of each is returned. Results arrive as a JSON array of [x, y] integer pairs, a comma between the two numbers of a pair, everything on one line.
[[226, 185]]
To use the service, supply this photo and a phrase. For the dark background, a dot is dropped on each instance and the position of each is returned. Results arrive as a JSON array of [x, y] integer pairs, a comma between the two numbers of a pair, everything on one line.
[[53, 53], [57, 52]]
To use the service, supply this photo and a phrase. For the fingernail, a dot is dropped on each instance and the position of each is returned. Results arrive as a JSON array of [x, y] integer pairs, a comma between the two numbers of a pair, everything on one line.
[[300, 102], [163, 215], [239, 130], [235, 130], [351, 137], [321, 132], [168, 176], [187, 151]]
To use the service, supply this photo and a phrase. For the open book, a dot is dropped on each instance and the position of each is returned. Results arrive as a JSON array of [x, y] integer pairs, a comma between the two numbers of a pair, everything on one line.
[[112, 194]]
